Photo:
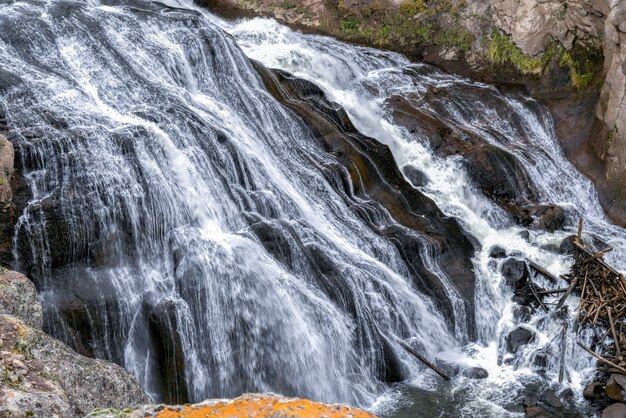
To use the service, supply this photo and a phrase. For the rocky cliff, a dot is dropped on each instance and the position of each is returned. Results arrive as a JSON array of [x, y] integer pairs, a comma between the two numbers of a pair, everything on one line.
[[570, 54], [39, 376]]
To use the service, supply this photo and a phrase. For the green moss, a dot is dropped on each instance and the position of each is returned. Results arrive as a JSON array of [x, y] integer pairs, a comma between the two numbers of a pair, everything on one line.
[[349, 25], [501, 50], [581, 66], [412, 7]]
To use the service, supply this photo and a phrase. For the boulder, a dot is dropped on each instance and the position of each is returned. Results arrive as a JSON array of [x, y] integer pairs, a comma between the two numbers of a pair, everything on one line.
[[519, 337], [617, 410], [615, 387], [567, 246], [47, 378], [415, 176], [497, 252], [514, 272], [593, 391], [18, 297], [548, 217], [475, 373], [550, 398], [553, 248]]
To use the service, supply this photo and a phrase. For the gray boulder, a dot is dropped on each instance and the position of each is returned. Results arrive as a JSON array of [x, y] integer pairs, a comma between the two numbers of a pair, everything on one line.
[[42, 376], [18, 297]]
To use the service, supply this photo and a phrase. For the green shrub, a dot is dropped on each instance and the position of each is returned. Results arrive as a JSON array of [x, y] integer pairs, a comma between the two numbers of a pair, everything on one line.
[[349, 25], [502, 50]]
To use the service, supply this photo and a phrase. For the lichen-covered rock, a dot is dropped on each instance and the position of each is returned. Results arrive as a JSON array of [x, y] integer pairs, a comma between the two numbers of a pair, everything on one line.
[[247, 405], [18, 297], [41, 377]]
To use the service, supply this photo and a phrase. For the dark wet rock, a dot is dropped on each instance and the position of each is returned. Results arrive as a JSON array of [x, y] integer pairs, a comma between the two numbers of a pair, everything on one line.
[[514, 272], [617, 410], [497, 252], [530, 400], [523, 299], [593, 390], [498, 173], [365, 172], [165, 337], [551, 399], [538, 216], [475, 373], [449, 368], [540, 361], [548, 217], [519, 337], [521, 313], [567, 394], [415, 176], [553, 248], [615, 387], [567, 246], [525, 234]]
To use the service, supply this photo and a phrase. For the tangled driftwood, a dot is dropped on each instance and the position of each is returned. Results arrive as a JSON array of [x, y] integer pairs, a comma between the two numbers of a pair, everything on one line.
[[602, 304]]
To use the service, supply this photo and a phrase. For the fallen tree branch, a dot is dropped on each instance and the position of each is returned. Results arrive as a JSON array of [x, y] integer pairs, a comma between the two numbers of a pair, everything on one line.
[[602, 359], [421, 358]]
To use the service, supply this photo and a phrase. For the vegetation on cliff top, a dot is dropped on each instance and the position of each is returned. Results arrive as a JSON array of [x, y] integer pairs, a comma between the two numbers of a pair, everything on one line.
[[582, 64]]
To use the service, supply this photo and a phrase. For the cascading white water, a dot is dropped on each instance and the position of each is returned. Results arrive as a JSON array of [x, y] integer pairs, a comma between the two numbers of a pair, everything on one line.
[[361, 79], [151, 149], [155, 155]]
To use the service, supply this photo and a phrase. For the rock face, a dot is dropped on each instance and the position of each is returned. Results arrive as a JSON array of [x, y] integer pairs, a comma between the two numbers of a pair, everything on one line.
[[611, 108], [6, 195], [573, 82], [248, 405], [42, 377]]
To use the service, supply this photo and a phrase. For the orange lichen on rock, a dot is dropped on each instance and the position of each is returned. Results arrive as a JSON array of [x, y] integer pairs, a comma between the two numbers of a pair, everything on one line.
[[262, 406]]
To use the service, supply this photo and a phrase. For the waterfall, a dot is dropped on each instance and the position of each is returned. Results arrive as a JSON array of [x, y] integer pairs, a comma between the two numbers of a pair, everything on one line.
[[182, 222]]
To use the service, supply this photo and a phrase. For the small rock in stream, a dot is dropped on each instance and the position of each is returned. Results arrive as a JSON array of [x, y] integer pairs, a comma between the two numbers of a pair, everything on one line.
[[497, 252], [514, 272], [550, 398], [593, 390], [475, 373], [615, 387], [519, 337], [617, 410], [567, 245]]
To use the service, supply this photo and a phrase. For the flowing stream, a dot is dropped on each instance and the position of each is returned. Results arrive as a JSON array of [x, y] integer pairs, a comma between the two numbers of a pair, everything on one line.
[[179, 222]]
